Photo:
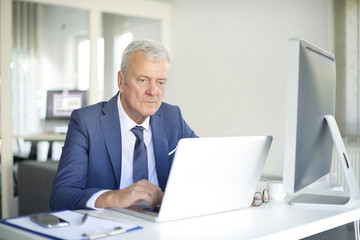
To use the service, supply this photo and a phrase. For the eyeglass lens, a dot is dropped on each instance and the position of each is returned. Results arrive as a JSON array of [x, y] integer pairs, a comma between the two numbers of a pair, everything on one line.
[[260, 198]]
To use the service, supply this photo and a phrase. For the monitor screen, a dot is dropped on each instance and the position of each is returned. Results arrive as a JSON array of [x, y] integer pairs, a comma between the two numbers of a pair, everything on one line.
[[60, 103], [310, 96]]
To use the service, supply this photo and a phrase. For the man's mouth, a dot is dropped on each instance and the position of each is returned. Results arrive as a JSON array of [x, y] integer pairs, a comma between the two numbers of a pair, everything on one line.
[[150, 102]]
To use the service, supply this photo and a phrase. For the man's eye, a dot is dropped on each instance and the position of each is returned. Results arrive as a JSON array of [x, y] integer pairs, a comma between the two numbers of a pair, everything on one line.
[[162, 82]]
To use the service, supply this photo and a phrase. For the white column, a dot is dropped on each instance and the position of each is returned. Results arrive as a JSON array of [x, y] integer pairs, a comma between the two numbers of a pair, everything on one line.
[[8, 203], [94, 35]]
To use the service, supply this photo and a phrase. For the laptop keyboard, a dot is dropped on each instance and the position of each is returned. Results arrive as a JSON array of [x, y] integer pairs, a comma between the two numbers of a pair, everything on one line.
[[153, 209]]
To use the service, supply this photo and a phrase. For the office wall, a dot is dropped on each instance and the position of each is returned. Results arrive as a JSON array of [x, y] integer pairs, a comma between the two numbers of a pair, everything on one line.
[[229, 64]]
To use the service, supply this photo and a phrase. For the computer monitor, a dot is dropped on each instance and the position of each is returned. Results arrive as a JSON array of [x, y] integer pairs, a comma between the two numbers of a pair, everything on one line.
[[310, 129], [60, 103]]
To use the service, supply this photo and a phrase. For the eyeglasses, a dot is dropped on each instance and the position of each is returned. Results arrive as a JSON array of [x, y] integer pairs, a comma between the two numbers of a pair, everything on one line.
[[260, 198]]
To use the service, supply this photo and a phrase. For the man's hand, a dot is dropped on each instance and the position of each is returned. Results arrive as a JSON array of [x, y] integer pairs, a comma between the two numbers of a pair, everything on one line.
[[141, 190]]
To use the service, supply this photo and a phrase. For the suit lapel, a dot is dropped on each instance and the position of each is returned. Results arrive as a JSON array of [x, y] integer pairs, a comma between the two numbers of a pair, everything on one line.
[[160, 143], [110, 125]]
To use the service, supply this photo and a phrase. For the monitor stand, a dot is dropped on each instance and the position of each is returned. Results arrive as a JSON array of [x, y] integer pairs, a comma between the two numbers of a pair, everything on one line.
[[331, 199]]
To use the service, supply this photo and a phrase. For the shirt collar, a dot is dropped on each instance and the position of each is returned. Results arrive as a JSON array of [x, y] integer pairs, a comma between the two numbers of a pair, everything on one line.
[[127, 123]]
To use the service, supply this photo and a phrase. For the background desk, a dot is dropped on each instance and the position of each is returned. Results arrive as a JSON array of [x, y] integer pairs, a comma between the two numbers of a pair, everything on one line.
[[273, 220]]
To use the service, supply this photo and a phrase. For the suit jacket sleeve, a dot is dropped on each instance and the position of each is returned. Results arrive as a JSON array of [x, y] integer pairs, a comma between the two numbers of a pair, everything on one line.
[[70, 188]]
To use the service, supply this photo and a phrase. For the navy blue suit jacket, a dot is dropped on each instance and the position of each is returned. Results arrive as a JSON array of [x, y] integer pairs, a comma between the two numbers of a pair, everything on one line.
[[91, 156]]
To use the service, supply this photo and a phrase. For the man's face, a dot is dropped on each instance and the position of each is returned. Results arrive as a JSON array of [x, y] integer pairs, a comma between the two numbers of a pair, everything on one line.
[[143, 89]]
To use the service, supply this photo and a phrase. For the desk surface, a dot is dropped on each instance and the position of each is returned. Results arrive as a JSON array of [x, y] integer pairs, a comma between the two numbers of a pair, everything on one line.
[[44, 137], [274, 220]]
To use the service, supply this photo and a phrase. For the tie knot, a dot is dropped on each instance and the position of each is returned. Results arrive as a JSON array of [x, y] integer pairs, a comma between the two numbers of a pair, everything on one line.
[[138, 131]]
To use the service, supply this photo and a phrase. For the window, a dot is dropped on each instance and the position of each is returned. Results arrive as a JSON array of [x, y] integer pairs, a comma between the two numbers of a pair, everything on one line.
[[347, 52]]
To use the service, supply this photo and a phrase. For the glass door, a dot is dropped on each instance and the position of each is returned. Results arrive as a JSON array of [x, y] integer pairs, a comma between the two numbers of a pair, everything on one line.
[[51, 53]]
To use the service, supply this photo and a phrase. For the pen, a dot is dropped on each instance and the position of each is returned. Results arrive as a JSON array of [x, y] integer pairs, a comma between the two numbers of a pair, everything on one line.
[[83, 220], [96, 235], [117, 230]]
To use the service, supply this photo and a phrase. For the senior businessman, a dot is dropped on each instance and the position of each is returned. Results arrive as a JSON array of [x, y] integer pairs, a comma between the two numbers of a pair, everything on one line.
[[119, 153]]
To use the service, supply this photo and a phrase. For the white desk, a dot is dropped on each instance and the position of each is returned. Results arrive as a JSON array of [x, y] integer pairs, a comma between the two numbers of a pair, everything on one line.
[[45, 137], [273, 220]]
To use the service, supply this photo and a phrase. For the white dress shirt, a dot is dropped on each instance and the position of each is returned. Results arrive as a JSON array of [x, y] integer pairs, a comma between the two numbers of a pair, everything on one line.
[[127, 145]]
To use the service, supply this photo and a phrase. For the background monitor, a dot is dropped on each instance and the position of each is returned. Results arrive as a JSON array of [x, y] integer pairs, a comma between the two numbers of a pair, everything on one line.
[[308, 132], [60, 103]]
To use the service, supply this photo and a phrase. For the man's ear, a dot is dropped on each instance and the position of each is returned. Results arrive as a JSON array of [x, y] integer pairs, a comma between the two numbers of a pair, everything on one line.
[[121, 81]]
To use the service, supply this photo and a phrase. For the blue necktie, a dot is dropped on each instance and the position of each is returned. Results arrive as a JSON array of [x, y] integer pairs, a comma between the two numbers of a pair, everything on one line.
[[140, 165]]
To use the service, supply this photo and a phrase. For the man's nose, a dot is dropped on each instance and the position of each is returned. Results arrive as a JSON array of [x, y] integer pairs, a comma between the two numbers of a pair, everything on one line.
[[153, 88]]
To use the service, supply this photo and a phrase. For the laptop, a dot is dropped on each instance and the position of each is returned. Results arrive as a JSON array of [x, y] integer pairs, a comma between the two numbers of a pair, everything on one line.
[[208, 176]]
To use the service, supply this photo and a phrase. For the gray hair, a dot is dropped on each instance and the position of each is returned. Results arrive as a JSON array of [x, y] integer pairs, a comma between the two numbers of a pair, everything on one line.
[[152, 50]]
